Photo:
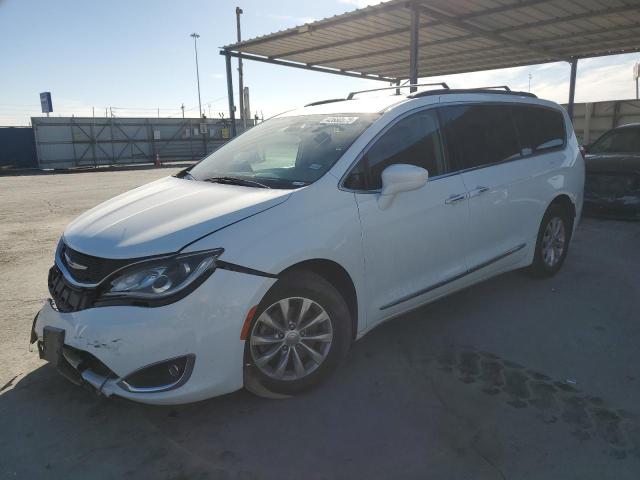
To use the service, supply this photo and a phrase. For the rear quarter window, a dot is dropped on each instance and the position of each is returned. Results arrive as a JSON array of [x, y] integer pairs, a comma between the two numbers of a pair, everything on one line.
[[539, 128]]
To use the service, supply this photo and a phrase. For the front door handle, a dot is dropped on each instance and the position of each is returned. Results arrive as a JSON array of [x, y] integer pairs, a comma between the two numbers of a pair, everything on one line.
[[455, 198], [478, 191]]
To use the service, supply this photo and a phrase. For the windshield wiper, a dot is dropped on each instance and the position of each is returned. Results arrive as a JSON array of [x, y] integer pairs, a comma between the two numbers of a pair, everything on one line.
[[236, 181]]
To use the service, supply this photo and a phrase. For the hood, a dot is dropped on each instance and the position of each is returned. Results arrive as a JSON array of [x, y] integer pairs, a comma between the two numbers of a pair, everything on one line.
[[612, 163], [164, 216]]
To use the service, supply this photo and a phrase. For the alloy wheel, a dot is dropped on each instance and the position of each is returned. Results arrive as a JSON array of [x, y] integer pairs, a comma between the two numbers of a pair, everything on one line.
[[553, 242], [291, 338]]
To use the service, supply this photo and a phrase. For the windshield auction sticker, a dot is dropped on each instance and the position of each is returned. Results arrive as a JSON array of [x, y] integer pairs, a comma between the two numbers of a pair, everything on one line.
[[339, 120]]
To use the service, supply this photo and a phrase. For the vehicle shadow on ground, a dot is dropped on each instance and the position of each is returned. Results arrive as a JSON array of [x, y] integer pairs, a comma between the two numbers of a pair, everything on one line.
[[414, 396]]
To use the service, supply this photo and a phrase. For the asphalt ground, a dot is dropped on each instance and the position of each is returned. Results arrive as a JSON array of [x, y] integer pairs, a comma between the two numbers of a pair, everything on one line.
[[514, 378]]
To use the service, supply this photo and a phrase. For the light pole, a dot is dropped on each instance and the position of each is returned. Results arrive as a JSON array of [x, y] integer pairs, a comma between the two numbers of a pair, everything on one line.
[[195, 46]]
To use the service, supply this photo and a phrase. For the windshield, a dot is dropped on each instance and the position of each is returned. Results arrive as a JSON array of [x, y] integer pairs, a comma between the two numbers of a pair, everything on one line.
[[286, 152], [623, 140]]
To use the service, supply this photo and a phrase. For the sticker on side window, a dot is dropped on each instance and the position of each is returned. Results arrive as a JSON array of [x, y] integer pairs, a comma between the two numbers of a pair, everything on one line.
[[339, 120]]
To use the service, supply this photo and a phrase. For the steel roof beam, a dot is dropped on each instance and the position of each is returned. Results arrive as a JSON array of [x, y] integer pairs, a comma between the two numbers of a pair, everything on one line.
[[481, 65], [581, 34], [315, 68], [464, 38], [395, 31], [447, 55], [491, 35], [364, 38], [484, 48], [397, 49], [581, 16], [314, 26], [570, 18], [473, 68]]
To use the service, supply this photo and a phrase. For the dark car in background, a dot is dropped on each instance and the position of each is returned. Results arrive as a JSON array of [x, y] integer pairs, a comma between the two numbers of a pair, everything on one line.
[[612, 187]]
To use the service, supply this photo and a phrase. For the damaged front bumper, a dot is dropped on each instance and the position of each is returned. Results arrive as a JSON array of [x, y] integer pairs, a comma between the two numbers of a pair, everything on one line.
[[83, 368], [121, 350], [146, 361], [76, 366]]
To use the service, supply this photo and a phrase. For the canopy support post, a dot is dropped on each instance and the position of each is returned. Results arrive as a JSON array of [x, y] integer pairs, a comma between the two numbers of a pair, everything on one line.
[[232, 108], [413, 48], [572, 86]]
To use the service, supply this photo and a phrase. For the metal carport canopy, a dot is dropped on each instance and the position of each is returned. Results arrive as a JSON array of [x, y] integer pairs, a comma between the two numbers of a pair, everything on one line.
[[402, 39]]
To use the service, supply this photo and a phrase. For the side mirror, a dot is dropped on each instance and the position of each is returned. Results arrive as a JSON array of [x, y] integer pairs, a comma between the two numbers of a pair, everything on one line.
[[400, 178]]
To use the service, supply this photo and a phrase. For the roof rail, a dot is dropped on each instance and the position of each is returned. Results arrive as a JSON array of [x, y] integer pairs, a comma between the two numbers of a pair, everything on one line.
[[441, 84], [322, 102], [471, 90]]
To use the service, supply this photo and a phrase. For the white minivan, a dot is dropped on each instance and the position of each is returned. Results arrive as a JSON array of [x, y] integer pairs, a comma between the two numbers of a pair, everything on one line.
[[277, 251]]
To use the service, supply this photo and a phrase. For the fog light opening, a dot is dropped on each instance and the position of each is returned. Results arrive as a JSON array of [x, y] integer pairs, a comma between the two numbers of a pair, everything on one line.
[[161, 376]]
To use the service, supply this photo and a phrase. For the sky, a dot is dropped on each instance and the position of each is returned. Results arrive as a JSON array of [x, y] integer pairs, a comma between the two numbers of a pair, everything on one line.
[[135, 57]]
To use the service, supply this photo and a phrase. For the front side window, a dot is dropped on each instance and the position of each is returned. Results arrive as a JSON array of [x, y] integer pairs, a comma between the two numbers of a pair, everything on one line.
[[623, 140], [539, 128], [414, 140], [479, 135], [285, 152]]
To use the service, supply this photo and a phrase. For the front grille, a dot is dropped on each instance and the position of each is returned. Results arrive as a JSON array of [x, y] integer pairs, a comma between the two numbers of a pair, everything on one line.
[[87, 270], [67, 297], [96, 269]]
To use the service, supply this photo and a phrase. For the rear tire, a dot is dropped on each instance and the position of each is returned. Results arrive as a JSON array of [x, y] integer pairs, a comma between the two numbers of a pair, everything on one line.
[[552, 244], [299, 335]]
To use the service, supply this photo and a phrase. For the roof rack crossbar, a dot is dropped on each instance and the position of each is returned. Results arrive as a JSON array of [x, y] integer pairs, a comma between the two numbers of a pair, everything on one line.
[[322, 102], [440, 84], [495, 87]]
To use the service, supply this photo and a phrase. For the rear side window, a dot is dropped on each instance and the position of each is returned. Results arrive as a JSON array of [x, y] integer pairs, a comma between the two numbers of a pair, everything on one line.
[[414, 140], [478, 135], [539, 128]]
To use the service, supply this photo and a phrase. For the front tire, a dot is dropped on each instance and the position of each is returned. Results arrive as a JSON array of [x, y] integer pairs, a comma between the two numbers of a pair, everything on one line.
[[552, 243], [299, 335]]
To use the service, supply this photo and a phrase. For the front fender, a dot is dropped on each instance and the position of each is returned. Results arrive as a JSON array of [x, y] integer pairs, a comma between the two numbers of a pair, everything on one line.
[[311, 225]]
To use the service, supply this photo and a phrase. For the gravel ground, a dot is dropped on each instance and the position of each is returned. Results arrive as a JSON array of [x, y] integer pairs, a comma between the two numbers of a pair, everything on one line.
[[513, 378]]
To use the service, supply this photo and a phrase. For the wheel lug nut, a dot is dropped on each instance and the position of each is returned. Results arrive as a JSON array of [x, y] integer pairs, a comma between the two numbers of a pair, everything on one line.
[[292, 326]]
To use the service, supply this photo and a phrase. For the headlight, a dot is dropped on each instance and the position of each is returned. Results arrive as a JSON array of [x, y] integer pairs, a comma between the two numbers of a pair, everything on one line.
[[160, 278]]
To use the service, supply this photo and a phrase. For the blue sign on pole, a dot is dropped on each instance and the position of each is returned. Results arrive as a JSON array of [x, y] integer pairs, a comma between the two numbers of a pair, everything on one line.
[[45, 102]]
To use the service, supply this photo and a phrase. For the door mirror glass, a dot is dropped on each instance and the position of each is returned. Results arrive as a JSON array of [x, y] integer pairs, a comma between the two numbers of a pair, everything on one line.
[[400, 178]]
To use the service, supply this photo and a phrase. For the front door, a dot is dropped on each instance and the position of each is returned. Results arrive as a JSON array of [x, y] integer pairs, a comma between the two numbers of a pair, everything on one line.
[[415, 246]]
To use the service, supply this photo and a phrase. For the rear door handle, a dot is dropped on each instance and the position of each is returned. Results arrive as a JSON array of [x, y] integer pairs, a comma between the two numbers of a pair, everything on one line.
[[455, 198], [478, 191]]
